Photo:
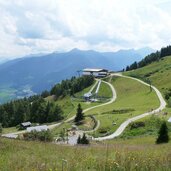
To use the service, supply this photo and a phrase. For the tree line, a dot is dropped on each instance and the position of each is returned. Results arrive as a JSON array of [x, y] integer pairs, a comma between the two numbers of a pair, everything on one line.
[[165, 51], [36, 109], [72, 86]]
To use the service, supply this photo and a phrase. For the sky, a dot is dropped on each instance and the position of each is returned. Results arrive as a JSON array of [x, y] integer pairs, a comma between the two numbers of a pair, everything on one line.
[[44, 26]]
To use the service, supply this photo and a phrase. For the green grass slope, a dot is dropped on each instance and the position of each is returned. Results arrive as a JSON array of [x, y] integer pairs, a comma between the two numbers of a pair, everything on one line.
[[148, 126], [159, 73], [133, 98], [21, 155], [105, 91]]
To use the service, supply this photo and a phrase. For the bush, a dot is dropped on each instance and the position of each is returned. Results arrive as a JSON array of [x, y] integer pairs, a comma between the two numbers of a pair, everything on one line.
[[104, 130], [83, 140], [45, 136], [137, 125]]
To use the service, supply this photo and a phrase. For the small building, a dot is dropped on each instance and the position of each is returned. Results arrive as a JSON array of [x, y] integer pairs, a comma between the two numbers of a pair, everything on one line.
[[87, 96], [96, 72], [38, 128], [25, 125]]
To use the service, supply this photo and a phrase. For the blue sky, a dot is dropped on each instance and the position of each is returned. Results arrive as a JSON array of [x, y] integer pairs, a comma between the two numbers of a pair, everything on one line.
[[42, 26]]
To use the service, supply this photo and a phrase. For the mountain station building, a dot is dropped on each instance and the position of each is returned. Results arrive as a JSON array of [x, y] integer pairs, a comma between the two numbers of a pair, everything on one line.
[[96, 72]]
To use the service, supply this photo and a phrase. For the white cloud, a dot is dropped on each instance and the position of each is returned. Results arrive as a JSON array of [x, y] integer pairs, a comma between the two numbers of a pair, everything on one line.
[[53, 25]]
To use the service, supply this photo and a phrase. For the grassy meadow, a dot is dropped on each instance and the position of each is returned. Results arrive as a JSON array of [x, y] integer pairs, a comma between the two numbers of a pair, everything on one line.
[[133, 98], [150, 128], [118, 156], [159, 73], [105, 91]]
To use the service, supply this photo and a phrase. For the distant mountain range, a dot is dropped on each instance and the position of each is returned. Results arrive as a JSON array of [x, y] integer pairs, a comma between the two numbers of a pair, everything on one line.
[[35, 73]]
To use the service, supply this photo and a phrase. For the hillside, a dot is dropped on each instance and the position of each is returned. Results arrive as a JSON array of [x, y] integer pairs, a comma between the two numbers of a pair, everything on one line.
[[133, 98], [33, 74], [159, 74], [123, 153]]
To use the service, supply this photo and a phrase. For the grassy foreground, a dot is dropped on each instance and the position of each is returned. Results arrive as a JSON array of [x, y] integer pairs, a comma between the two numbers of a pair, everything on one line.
[[21, 155]]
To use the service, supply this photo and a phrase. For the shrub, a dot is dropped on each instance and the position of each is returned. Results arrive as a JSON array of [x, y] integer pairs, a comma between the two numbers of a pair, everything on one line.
[[82, 140], [104, 130], [45, 136], [137, 125], [163, 136]]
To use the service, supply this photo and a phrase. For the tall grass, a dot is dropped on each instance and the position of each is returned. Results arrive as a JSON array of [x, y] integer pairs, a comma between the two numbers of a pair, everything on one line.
[[27, 156]]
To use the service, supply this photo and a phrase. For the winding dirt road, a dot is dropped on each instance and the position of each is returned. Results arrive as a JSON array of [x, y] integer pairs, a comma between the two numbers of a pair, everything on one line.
[[122, 127]]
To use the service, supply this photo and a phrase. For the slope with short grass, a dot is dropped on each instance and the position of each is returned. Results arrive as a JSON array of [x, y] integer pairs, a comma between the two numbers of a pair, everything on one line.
[[159, 73], [133, 98], [105, 91], [148, 126]]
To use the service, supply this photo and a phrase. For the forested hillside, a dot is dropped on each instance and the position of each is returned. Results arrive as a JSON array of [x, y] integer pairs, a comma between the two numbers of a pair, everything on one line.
[[36, 109], [153, 57]]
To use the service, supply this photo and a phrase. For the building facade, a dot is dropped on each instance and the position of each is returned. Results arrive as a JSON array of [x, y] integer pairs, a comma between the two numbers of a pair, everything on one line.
[[96, 72]]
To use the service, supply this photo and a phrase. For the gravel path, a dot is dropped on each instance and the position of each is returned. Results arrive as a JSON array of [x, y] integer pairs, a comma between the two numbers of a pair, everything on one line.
[[122, 127]]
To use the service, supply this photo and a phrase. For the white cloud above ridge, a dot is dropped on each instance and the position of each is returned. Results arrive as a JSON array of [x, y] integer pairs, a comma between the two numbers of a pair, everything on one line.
[[54, 25]]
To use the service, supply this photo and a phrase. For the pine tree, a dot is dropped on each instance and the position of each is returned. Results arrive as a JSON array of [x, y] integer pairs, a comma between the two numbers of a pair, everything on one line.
[[79, 116], [84, 139], [127, 68], [79, 140], [163, 134]]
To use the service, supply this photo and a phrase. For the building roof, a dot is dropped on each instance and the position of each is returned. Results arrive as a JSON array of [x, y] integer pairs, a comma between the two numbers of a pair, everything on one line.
[[88, 94], [38, 128], [93, 69], [26, 123]]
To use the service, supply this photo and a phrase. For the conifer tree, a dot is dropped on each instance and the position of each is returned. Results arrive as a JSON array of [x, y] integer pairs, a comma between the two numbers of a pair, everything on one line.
[[79, 140], [79, 116], [163, 136], [84, 139]]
